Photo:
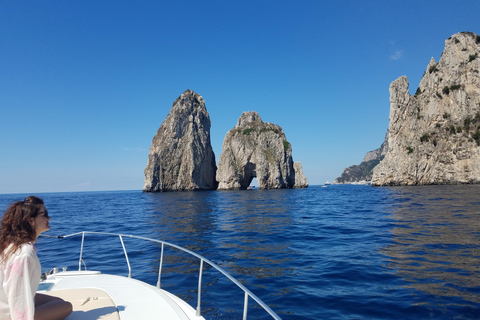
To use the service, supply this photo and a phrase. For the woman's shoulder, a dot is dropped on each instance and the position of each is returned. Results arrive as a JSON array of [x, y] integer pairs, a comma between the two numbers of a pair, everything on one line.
[[27, 249]]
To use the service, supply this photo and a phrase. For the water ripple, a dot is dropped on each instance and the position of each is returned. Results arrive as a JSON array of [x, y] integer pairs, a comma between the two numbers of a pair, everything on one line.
[[341, 252]]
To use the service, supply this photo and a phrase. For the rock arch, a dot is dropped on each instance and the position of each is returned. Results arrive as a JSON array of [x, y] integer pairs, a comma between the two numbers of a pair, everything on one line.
[[255, 149]]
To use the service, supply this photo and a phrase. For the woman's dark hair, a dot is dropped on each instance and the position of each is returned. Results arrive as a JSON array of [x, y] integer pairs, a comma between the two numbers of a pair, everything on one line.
[[16, 227]]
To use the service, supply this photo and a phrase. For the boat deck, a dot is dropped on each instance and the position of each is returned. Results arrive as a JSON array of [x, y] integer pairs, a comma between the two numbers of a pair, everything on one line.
[[104, 296], [120, 298], [88, 304]]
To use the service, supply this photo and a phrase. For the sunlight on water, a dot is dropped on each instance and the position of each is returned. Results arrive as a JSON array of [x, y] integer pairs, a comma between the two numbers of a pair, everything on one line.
[[318, 253]]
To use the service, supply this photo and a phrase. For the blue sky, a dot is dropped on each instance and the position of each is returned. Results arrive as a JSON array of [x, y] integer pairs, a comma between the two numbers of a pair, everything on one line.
[[84, 85]]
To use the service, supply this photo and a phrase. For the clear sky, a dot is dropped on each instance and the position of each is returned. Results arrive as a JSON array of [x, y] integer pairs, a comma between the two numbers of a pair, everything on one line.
[[84, 85]]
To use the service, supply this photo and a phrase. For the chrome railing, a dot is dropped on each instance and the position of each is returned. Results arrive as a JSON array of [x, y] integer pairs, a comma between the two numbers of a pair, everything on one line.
[[247, 293]]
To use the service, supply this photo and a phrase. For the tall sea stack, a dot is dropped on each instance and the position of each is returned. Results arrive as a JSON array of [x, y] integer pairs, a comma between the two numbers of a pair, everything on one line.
[[181, 157]]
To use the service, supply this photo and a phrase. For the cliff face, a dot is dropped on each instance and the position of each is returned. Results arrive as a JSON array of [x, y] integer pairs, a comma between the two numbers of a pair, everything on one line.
[[181, 155], [434, 136], [254, 148]]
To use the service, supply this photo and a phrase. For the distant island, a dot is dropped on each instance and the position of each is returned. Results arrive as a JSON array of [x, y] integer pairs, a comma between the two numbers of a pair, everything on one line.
[[181, 156], [433, 136], [362, 173]]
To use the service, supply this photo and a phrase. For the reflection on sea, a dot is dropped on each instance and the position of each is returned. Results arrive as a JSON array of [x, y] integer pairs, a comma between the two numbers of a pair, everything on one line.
[[436, 240], [238, 223], [341, 252], [233, 229]]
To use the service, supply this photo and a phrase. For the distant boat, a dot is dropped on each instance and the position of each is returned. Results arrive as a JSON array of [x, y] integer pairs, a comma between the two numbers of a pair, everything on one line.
[[250, 187], [327, 183]]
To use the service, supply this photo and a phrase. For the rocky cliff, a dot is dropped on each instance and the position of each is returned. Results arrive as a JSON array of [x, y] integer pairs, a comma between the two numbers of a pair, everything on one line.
[[254, 148], [181, 155], [362, 173], [434, 136]]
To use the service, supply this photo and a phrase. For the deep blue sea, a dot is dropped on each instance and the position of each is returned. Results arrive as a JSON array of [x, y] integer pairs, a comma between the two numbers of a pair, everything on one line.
[[336, 252]]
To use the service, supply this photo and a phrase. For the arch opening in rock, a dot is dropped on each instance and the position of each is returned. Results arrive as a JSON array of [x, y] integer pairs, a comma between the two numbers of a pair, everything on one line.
[[248, 174], [253, 184]]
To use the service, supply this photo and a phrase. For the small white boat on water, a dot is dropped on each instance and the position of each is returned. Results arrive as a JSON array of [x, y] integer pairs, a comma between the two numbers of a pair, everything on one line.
[[326, 184], [95, 295]]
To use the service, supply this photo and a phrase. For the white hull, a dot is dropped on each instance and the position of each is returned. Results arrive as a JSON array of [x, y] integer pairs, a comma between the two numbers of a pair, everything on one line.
[[110, 297]]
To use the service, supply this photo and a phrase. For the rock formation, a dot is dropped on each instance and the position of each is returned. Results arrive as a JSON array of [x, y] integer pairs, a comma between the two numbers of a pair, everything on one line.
[[181, 155], [362, 173], [300, 179], [254, 148], [434, 136]]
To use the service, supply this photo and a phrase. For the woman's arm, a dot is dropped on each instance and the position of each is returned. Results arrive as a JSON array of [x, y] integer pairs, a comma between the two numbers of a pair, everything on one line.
[[18, 286]]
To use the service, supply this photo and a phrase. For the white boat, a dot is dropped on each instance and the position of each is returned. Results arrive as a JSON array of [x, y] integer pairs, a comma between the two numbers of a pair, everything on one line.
[[95, 295]]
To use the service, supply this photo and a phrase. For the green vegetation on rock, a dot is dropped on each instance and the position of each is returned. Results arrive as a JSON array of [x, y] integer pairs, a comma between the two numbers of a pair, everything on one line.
[[425, 137], [248, 131]]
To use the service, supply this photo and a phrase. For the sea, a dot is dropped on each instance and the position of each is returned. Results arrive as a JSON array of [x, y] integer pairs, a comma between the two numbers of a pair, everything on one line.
[[335, 252]]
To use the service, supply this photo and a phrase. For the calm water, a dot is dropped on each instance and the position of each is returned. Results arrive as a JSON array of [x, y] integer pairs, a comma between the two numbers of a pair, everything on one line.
[[341, 252]]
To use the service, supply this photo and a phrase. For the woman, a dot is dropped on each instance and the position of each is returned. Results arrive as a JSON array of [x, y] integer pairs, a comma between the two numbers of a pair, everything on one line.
[[20, 269]]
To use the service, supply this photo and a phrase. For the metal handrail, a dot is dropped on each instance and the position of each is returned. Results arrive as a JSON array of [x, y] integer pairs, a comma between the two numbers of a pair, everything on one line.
[[248, 293]]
